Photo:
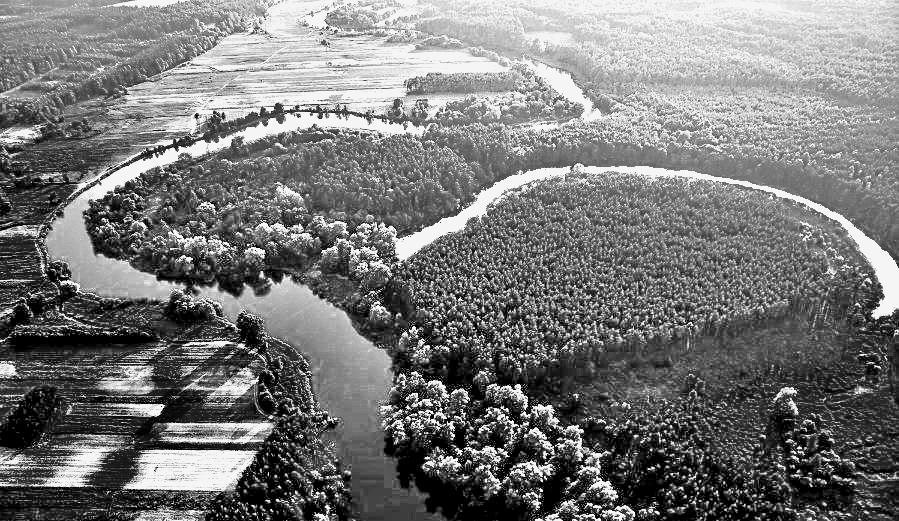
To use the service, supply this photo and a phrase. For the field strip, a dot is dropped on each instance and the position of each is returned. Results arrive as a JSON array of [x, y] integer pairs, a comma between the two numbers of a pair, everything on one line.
[[134, 380], [236, 386], [25, 230], [220, 433], [146, 3], [15, 282], [209, 470], [108, 418], [67, 461], [81, 461], [170, 515], [137, 410], [76, 469]]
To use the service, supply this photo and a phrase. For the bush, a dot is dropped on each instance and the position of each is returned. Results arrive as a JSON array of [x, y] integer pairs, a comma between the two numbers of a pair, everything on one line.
[[34, 416], [58, 270], [184, 307], [379, 317], [251, 328], [21, 312], [67, 290]]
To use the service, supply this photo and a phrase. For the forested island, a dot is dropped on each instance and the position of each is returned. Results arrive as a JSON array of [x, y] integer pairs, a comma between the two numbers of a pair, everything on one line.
[[667, 302]]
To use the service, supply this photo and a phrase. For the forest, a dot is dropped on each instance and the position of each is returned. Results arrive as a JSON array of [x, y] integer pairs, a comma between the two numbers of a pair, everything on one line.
[[326, 186], [592, 345], [557, 275]]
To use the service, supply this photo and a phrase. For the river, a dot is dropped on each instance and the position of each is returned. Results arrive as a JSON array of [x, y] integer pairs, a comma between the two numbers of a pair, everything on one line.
[[351, 375]]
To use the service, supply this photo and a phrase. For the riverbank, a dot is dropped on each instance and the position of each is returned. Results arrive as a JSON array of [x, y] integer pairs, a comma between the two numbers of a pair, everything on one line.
[[197, 378], [348, 369]]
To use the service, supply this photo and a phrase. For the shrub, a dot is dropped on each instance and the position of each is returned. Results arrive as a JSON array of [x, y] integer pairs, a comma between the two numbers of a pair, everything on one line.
[[21, 312], [184, 307], [34, 416], [251, 327], [58, 270], [67, 290]]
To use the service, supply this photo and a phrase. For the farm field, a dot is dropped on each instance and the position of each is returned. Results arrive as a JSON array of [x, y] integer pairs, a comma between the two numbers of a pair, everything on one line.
[[382, 308], [284, 62], [172, 417]]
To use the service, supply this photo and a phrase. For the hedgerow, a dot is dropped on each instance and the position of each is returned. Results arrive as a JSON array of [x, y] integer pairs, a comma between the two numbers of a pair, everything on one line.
[[78, 334]]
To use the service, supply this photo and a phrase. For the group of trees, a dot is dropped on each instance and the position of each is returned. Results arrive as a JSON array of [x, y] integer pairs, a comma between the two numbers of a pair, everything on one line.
[[842, 50], [51, 52], [805, 450], [366, 15], [284, 388], [479, 23], [235, 216], [488, 453], [558, 274], [31, 418], [502, 151], [530, 99], [668, 460], [185, 307], [769, 96], [465, 82], [353, 18], [294, 476]]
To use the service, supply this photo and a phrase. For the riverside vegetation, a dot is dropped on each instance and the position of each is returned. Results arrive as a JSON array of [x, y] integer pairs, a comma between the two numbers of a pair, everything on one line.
[[458, 365], [492, 328]]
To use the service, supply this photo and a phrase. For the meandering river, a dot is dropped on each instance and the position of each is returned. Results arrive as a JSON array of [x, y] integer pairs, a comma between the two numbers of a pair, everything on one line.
[[351, 375]]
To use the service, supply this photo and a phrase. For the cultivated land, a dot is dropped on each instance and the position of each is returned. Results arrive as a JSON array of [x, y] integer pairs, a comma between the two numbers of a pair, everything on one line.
[[283, 62], [176, 416]]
